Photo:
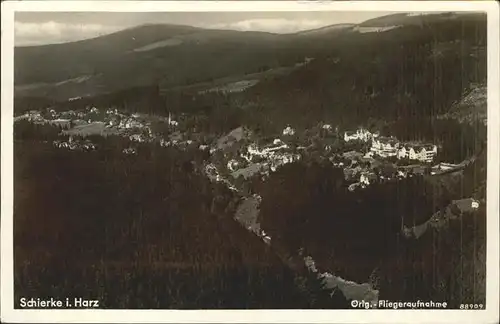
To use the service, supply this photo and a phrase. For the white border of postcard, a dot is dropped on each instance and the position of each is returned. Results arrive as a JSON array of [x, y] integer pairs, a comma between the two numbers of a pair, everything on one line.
[[9, 314]]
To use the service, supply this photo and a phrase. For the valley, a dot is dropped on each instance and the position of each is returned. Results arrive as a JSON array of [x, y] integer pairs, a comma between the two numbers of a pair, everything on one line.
[[176, 167]]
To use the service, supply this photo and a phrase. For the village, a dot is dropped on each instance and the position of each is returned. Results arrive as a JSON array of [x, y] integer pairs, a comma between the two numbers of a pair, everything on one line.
[[236, 158], [365, 157], [246, 157]]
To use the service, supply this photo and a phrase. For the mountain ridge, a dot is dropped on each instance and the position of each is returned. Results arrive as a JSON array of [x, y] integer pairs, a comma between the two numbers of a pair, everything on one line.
[[189, 55]]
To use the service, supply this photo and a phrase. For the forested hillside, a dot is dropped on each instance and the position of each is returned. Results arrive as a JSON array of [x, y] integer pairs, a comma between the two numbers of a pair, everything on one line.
[[358, 235], [124, 230], [408, 73]]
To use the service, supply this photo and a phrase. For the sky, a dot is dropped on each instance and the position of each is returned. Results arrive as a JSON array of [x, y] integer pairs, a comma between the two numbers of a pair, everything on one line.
[[38, 28]]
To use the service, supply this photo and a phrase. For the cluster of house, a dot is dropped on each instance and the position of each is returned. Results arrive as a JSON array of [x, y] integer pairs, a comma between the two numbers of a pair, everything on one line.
[[54, 117], [270, 150], [363, 171], [273, 154], [32, 116], [126, 123], [255, 160], [73, 144], [177, 139], [141, 138], [368, 177], [213, 174], [391, 147]]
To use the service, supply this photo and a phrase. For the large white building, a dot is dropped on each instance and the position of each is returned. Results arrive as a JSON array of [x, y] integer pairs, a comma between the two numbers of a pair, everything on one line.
[[424, 153], [390, 147], [360, 134]]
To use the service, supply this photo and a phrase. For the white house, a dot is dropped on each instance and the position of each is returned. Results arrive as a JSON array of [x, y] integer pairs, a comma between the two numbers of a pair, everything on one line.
[[412, 154], [360, 134], [288, 131], [364, 180], [428, 152], [403, 153], [466, 204], [385, 147], [253, 149], [172, 122], [232, 165], [425, 153]]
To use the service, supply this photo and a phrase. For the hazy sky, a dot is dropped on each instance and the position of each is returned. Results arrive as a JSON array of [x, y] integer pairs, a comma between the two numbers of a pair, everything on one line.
[[35, 28]]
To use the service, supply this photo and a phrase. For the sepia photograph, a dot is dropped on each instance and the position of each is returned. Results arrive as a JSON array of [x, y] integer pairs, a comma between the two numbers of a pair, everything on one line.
[[278, 158]]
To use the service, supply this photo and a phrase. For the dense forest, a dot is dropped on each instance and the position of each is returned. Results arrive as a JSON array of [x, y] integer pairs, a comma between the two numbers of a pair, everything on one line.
[[457, 141], [403, 74], [124, 229], [354, 233]]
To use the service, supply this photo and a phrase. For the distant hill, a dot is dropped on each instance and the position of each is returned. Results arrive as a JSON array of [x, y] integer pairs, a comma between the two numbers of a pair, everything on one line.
[[343, 71], [406, 73], [168, 55], [327, 30], [416, 18]]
